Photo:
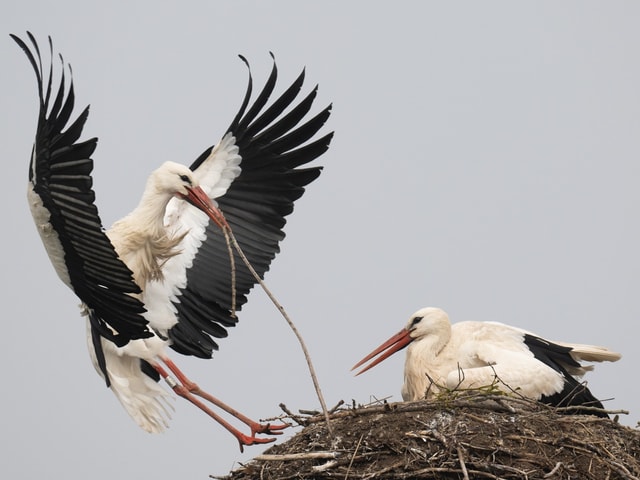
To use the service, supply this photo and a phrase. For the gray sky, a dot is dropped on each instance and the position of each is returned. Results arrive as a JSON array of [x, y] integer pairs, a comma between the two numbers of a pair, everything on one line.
[[485, 161]]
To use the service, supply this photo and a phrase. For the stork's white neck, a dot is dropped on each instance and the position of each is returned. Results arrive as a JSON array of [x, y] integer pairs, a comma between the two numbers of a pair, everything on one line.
[[421, 363], [149, 214], [141, 238]]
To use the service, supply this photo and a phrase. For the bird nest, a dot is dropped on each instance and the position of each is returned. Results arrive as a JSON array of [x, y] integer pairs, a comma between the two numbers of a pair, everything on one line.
[[469, 436]]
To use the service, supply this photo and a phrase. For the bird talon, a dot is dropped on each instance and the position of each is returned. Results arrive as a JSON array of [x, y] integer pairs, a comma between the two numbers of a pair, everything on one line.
[[268, 429], [251, 440]]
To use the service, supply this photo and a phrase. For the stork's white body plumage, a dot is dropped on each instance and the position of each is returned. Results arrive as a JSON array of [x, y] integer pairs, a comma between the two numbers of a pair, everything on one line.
[[156, 241], [476, 354], [144, 399], [471, 354], [161, 276]]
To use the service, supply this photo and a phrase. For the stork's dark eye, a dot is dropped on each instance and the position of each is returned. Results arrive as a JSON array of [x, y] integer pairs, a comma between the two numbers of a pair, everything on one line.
[[185, 179], [415, 321]]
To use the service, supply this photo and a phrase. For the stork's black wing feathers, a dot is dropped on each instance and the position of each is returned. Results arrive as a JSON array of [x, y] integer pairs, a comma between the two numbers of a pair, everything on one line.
[[273, 111], [263, 97], [272, 145], [574, 394], [60, 174]]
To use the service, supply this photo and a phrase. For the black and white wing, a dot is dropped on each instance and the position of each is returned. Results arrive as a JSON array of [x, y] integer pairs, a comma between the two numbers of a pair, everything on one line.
[[62, 202], [256, 173]]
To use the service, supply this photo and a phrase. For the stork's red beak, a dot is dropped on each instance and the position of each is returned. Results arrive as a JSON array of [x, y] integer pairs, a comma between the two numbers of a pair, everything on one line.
[[199, 199], [393, 345]]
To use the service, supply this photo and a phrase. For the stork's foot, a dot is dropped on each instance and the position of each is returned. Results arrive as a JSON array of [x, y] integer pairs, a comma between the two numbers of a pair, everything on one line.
[[251, 440], [188, 390], [267, 428]]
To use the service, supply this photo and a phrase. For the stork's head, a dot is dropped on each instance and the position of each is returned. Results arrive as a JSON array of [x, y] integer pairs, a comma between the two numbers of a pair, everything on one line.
[[426, 321], [174, 179], [177, 180]]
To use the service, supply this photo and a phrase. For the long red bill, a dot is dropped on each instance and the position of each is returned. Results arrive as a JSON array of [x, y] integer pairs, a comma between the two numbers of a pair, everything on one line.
[[199, 199], [393, 345]]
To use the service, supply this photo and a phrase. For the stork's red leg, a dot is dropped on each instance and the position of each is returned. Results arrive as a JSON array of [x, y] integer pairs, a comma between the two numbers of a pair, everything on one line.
[[182, 391], [187, 389], [192, 387]]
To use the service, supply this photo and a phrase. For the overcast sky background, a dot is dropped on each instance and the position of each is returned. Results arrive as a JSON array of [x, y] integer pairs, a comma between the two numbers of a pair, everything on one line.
[[486, 161]]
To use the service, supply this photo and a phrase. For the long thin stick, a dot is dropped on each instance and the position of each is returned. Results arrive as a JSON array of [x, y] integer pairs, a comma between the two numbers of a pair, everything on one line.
[[307, 357], [227, 232], [295, 456], [463, 467], [346, 475]]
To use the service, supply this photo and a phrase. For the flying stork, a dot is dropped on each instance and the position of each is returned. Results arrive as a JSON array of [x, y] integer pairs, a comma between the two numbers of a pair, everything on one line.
[[161, 275], [478, 354]]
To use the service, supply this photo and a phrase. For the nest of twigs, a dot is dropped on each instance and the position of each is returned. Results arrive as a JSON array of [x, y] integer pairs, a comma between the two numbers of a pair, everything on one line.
[[471, 436]]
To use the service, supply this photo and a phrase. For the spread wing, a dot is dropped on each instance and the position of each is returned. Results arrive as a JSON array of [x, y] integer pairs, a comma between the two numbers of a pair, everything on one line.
[[256, 173], [62, 202]]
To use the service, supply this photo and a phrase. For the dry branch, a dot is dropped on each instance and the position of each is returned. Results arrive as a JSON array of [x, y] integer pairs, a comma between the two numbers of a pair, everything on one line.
[[295, 456]]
